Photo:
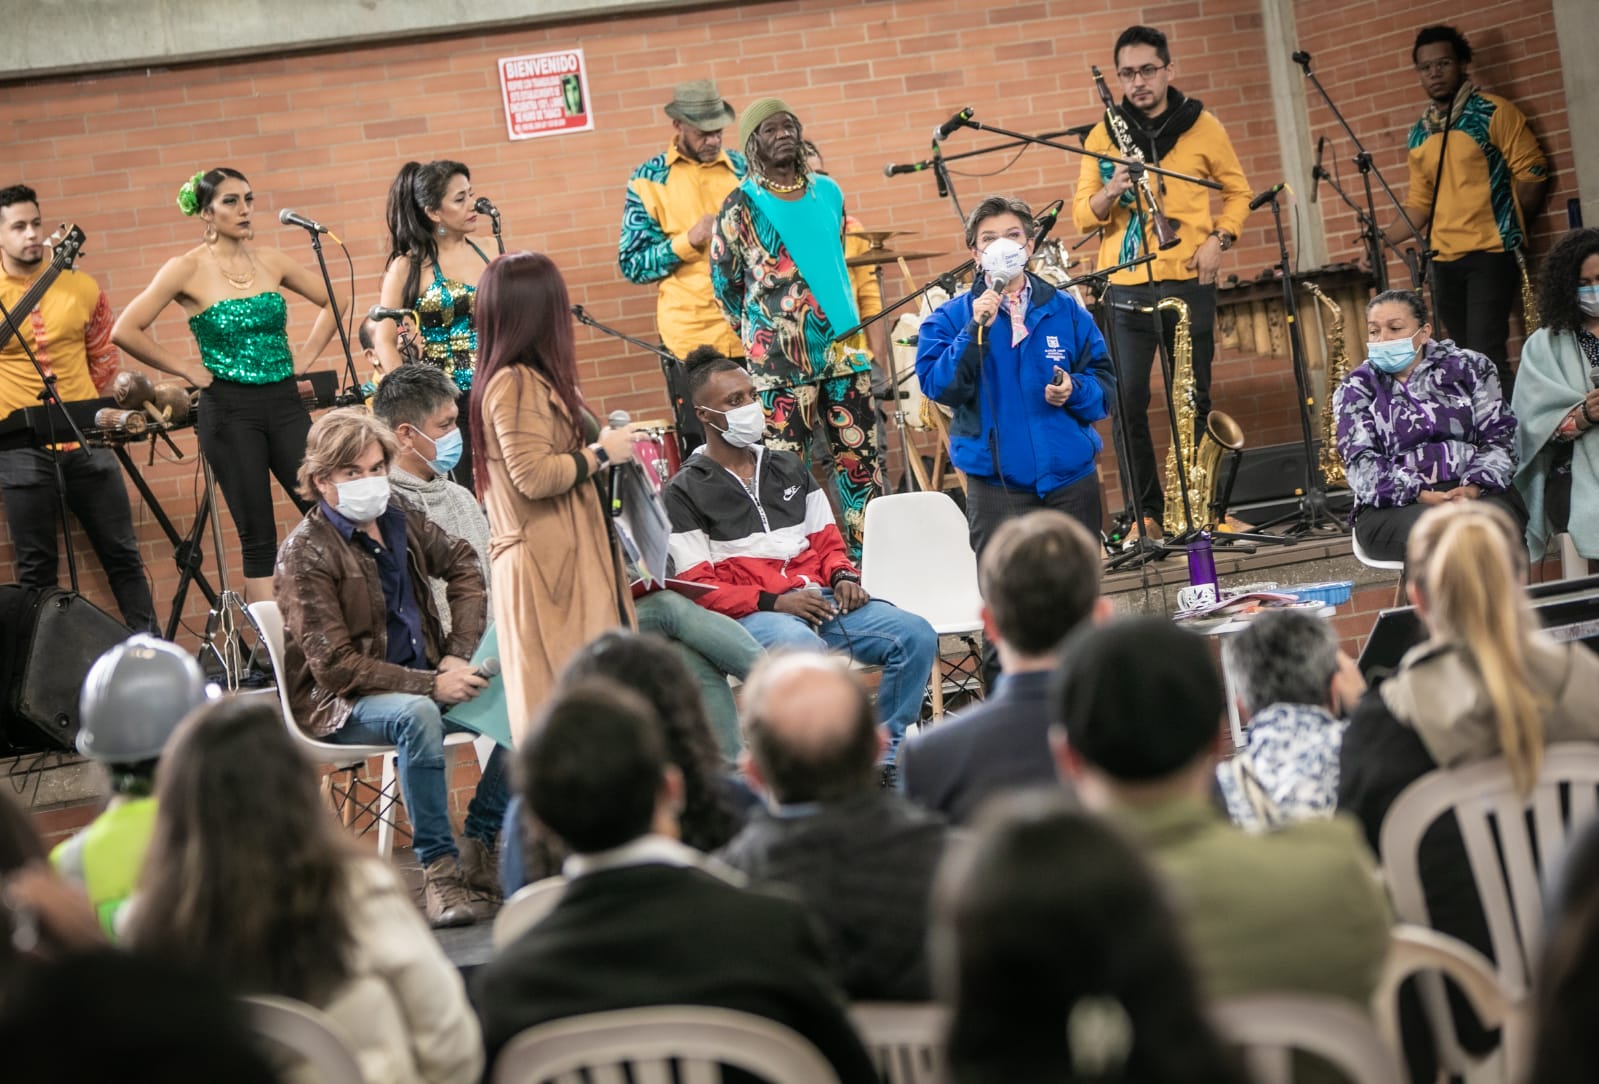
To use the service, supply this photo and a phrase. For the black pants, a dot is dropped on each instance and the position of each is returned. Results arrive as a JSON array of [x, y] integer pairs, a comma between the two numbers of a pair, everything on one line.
[[246, 431], [1133, 346], [989, 505], [1383, 532], [1475, 296], [98, 500]]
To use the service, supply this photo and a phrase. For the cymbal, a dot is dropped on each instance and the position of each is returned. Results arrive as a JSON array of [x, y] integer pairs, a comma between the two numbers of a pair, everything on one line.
[[888, 255], [877, 237]]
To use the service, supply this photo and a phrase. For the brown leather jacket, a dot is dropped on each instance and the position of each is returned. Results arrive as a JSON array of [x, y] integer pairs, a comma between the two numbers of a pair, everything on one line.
[[335, 617]]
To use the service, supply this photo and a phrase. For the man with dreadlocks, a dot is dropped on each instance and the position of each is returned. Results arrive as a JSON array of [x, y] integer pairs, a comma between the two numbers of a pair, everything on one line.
[[777, 267]]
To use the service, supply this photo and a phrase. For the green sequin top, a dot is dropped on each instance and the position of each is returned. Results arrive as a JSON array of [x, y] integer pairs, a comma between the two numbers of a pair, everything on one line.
[[448, 338], [245, 339]]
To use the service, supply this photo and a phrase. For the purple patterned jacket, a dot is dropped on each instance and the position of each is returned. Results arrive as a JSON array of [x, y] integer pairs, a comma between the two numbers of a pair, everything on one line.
[[1448, 423]]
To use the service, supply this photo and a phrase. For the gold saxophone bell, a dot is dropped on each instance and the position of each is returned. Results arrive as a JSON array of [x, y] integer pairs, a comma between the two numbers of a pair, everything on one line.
[[1332, 464], [1200, 464]]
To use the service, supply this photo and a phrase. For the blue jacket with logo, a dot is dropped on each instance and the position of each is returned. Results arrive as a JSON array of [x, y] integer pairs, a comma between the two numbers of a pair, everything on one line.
[[997, 390]]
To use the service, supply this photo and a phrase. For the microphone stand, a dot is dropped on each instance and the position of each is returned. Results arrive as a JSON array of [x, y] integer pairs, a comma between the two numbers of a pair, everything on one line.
[[937, 162], [1369, 231], [50, 396], [499, 238], [1368, 169], [680, 409], [354, 394], [1313, 513]]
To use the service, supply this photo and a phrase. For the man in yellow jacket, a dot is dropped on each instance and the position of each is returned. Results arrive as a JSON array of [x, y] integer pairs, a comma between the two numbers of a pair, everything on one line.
[[1175, 132]]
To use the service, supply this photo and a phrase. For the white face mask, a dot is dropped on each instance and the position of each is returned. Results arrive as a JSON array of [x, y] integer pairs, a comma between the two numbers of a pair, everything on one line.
[[1588, 300], [746, 425], [364, 499]]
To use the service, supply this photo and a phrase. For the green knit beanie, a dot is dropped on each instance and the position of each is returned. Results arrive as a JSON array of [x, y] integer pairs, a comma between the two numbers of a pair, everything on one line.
[[756, 113]]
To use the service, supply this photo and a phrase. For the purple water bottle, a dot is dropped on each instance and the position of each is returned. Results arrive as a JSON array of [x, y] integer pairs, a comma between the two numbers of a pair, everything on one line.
[[1202, 567]]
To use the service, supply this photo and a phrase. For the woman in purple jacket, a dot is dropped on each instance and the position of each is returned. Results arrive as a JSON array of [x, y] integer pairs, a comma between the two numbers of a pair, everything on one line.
[[1421, 422]]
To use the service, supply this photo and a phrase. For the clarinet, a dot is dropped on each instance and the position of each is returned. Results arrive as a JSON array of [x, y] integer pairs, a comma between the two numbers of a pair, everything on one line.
[[1165, 232]]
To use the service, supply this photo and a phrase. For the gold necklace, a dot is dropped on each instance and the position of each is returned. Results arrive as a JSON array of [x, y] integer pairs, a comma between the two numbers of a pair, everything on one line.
[[239, 282], [783, 189]]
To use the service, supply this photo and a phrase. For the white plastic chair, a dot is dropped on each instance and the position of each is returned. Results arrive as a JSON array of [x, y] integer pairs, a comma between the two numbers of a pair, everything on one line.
[[1371, 562], [526, 908], [905, 1040], [645, 1043], [1507, 859], [915, 554], [1271, 1027], [1414, 951], [307, 1033], [345, 759]]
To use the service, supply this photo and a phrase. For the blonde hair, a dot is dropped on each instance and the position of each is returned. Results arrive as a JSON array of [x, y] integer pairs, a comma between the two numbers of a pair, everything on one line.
[[1463, 559], [338, 439]]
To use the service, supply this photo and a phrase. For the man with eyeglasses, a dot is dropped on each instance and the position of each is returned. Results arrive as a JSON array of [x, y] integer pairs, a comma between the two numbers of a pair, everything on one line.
[[1474, 182], [1173, 131]]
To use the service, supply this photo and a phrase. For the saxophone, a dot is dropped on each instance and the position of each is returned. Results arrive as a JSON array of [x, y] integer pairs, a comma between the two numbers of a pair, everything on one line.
[[1530, 319], [1200, 459], [1332, 464], [1165, 232]]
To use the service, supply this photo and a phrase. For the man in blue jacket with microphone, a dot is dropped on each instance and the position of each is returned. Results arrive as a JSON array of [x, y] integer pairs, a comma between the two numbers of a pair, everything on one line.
[[1026, 372]]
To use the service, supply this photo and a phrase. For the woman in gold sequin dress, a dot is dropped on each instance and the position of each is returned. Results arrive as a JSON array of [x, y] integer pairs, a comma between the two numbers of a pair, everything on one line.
[[251, 422], [433, 269]]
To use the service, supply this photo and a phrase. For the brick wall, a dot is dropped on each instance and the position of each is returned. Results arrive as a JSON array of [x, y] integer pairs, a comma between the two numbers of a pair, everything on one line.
[[324, 133]]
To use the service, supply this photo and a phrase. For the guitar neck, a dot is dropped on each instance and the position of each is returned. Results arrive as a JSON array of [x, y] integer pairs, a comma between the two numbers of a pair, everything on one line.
[[29, 300]]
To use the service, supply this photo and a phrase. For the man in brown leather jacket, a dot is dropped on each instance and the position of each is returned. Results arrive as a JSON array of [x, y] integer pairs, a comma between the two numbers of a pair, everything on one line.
[[367, 661]]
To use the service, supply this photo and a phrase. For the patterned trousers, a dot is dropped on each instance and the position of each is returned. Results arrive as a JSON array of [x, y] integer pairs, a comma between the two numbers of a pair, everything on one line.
[[844, 405]]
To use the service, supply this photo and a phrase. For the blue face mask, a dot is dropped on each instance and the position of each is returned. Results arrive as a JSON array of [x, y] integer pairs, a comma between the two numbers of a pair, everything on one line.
[[446, 451], [1588, 300], [1393, 356]]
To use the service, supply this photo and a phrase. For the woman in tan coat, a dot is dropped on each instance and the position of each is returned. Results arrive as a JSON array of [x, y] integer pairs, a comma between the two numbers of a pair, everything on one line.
[[536, 449]]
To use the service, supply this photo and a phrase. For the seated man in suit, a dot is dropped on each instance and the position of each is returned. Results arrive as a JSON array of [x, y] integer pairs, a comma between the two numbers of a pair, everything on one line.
[[862, 857], [1300, 909], [366, 657], [644, 919], [752, 522], [1040, 578]]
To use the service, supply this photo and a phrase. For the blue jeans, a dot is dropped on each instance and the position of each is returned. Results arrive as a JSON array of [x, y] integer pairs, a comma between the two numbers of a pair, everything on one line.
[[416, 728], [712, 646], [878, 633]]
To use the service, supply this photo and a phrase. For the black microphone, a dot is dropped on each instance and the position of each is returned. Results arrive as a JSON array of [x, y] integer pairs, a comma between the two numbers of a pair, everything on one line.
[[996, 282], [289, 218], [914, 167], [959, 120], [1044, 221], [378, 312], [617, 420], [938, 172], [488, 669], [1315, 170], [1268, 194], [1301, 58], [484, 207]]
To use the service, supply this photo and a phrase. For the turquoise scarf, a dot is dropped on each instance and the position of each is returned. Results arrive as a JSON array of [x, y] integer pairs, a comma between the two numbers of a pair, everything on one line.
[[811, 228]]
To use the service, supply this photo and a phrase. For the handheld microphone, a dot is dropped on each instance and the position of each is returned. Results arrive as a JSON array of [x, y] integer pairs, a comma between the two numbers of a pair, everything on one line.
[[959, 120], [997, 281], [913, 167], [289, 218], [484, 207], [1268, 194], [1316, 170], [488, 669], [378, 312], [617, 420]]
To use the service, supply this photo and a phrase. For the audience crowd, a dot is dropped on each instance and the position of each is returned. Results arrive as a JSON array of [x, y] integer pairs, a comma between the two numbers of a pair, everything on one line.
[[1079, 868]]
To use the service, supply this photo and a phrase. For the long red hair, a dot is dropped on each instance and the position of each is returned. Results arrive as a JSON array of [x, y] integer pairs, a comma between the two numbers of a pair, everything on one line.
[[524, 318]]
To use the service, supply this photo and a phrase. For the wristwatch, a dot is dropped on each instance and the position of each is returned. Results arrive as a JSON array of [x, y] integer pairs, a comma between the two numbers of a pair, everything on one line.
[[600, 455], [1224, 237]]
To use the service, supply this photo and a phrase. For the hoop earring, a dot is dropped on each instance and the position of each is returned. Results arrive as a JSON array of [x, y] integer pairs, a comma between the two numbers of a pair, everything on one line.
[[210, 233]]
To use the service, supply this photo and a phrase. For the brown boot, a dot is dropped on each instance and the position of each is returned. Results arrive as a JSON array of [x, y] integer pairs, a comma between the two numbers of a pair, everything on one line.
[[444, 895], [480, 872]]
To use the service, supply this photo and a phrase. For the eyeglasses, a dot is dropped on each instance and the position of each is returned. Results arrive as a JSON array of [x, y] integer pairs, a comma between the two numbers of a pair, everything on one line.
[[1147, 72]]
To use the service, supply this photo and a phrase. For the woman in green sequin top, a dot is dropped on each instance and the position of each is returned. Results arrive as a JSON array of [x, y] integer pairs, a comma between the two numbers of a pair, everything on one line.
[[251, 422], [433, 270]]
